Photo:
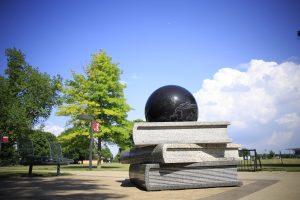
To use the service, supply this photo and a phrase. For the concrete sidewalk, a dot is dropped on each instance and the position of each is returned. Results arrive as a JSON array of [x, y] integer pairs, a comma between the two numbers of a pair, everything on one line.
[[115, 185]]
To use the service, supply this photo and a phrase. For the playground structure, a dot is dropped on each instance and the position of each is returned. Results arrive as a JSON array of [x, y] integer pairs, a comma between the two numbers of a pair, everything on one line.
[[250, 160]]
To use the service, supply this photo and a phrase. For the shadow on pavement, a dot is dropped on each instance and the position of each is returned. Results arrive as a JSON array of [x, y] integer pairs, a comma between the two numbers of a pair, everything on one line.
[[242, 191], [54, 188], [126, 183]]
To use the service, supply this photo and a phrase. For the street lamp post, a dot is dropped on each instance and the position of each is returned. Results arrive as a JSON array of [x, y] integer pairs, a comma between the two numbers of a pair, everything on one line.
[[89, 118]]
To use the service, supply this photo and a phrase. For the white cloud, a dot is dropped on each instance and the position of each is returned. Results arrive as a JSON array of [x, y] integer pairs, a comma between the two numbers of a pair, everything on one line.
[[135, 76], [280, 138], [52, 128], [123, 82], [290, 120], [261, 100]]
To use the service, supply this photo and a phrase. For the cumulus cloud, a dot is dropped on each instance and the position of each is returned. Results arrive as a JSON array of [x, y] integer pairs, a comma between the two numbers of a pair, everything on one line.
[[52, 128], [280, 138], [261, 100], [290, 120]]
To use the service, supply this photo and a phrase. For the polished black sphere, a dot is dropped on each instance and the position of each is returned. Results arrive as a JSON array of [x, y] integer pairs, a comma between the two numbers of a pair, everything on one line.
[[171, 103]]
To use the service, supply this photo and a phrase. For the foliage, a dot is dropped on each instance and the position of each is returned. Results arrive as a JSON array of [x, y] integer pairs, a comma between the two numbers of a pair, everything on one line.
[[41, 141], [127, 142], [244, 153], [35, 92], [74, 147], [12, 116], [117, 157], [271, 154], [27, 97], [8, 154], [98, 93], [106, 154]]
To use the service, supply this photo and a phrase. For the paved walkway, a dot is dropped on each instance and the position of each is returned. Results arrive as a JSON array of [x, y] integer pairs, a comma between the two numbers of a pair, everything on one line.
[[115, 185]]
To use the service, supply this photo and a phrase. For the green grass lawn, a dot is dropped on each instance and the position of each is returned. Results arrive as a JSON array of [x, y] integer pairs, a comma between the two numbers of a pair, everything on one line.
[[290, 165], [285, 161], [286, 164], [104, 167], [50, 170]]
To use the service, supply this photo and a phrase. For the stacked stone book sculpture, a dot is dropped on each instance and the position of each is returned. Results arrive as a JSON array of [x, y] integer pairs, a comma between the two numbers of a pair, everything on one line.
[[182, 154]]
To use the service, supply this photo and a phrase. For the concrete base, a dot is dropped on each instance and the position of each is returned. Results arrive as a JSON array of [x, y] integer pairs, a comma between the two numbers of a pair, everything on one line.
[[184, 176]]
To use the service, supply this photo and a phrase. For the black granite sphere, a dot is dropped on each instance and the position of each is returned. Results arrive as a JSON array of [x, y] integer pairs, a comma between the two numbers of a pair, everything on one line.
[[171, 103]]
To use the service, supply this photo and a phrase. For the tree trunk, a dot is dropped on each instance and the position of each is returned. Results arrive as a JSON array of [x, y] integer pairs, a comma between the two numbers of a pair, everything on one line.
[[99, 148]]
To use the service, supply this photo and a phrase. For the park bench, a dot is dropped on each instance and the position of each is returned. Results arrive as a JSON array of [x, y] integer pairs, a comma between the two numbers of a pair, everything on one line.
[[27, 157]]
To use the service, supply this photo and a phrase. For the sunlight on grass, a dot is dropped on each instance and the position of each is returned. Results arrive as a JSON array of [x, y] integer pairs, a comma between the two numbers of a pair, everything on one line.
[[286, 164], [104, 167], [50, 170], [285, 161], [22, 173]]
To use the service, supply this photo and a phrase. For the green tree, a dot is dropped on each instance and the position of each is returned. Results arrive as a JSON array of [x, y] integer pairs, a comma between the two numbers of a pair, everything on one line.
[[74, 146], [12, 116], [36, 92], [106, 154], [27, 97], [126, 143], [271, 154], [40, 140], [117, 158], [98, 93], [244, 153]]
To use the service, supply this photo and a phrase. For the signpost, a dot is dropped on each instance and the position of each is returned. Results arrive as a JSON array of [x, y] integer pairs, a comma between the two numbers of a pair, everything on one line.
[[96, 126], [3, 139]]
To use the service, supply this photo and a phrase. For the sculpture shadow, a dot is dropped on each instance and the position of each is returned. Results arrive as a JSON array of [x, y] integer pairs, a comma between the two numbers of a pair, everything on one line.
[[127, 183], [59, 188]]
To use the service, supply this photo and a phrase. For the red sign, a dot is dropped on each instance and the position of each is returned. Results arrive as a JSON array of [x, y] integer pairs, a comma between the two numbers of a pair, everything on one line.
[[5, 139], [96, 126]]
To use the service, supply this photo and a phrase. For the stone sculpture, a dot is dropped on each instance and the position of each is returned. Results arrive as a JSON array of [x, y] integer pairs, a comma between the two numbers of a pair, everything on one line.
[[174, 151]]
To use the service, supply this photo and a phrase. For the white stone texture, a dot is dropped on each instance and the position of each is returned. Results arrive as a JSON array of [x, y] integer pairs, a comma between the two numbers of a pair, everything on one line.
[[152, 133], [183, 176], [181, 153]]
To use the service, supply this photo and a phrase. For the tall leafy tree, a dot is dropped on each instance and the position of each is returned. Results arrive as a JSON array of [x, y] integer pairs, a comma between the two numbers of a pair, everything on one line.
[[74, 147], [98, 93], [27, 96], [36, 92], [127, 143], [40, 140], [106, 154]]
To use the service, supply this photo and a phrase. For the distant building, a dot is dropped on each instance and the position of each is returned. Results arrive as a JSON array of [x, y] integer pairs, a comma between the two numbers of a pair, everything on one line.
[[296, 152]]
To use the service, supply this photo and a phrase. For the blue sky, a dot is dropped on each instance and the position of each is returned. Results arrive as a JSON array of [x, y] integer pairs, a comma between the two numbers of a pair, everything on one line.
[[174, 42]]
